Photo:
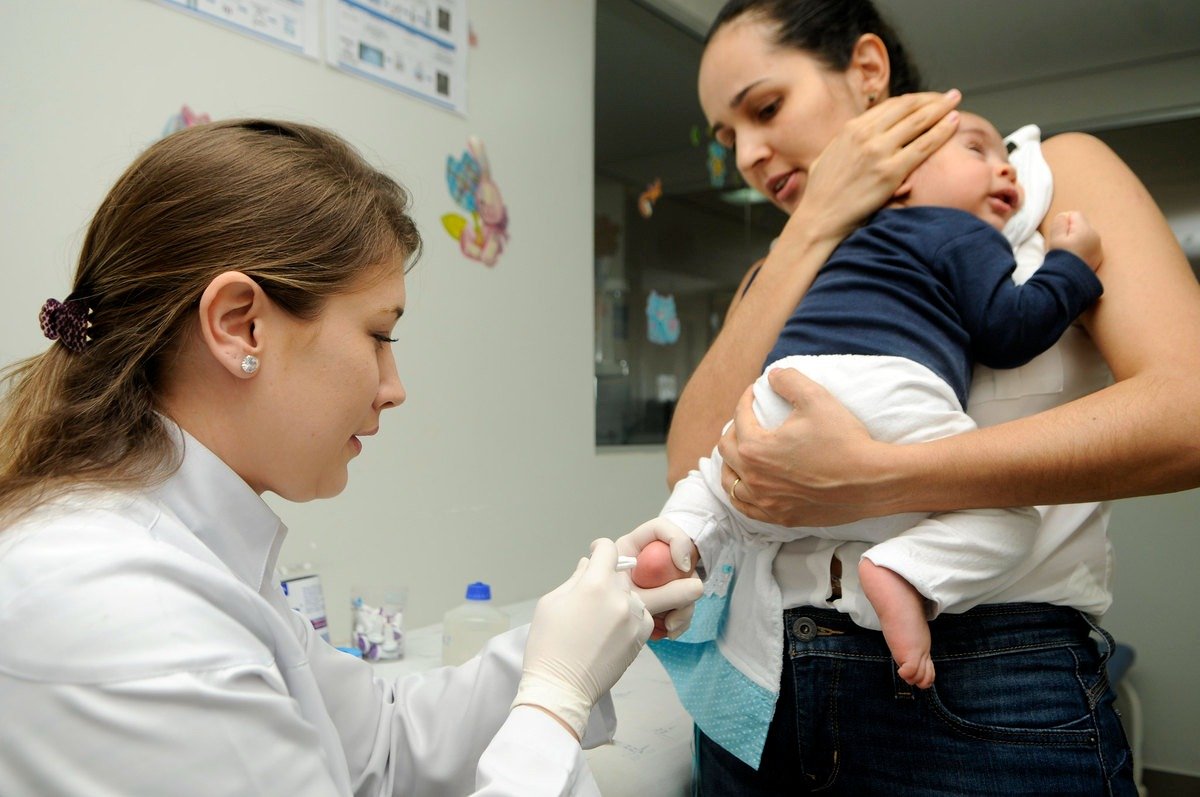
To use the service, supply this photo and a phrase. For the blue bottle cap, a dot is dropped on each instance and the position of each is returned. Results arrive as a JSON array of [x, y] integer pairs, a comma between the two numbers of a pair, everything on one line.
[[479, 591], [352, 650]]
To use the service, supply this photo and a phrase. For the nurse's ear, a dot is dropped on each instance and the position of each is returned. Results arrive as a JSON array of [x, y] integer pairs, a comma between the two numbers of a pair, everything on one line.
[[232, 311]]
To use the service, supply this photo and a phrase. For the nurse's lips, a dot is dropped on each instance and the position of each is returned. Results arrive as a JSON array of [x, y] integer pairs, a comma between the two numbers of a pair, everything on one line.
[[358, 443]]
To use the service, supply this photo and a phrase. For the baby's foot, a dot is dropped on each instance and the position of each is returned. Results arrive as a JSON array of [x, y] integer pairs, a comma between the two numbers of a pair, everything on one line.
[[901, 611]]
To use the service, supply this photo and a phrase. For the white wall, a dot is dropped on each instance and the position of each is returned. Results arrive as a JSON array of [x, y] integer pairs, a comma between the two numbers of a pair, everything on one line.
[[489, 470], [1156, 598]]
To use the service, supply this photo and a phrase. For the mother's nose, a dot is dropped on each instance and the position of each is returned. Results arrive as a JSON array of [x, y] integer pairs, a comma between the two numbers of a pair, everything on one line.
[[751, 149]]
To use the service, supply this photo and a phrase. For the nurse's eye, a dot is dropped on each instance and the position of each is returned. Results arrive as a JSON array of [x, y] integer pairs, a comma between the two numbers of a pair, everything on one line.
[[383, 340]]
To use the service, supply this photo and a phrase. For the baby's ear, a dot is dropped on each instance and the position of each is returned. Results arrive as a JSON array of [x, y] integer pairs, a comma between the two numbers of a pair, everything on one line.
[[902, 194]]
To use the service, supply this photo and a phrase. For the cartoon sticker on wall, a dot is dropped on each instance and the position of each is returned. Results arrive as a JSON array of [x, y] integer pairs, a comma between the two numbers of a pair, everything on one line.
[[662, 322], [185, 118], [715, 157], [716, 164], [646, 199], [469, 178]]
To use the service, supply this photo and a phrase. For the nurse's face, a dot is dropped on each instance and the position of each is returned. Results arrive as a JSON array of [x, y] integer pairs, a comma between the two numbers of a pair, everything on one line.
[[329, 380], [776, 107]]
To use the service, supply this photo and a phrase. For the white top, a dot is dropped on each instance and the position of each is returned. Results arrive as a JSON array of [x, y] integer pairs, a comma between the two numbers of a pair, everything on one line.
[[1071, 560], [146, 649]]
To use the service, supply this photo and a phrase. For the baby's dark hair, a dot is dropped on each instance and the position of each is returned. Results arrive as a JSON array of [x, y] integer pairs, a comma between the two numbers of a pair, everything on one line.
[[828, 30]]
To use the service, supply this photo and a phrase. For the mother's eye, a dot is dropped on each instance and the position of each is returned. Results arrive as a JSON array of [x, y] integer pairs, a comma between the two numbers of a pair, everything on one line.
[[769, 110]]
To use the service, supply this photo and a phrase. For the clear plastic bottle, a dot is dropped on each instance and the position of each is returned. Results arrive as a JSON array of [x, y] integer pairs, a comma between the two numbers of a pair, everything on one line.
[[466, 628]]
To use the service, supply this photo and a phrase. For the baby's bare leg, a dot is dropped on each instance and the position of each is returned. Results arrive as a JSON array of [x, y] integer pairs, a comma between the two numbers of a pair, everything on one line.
[[901, 613]]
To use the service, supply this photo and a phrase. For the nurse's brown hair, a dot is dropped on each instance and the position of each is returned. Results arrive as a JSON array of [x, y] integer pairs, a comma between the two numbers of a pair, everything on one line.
[[290, 205]]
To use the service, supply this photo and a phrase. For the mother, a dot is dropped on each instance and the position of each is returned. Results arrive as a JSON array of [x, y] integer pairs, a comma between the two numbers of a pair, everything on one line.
[[1021, 704]]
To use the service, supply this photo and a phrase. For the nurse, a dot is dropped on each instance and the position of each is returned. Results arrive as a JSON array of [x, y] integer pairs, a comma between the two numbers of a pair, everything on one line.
[[229, 333]]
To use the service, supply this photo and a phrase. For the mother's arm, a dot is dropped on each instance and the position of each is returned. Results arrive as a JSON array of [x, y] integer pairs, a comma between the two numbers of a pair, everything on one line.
[[1136, 437]]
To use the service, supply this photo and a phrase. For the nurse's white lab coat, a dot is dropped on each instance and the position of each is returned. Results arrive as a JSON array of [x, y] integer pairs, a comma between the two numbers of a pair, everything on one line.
[[145, 648]]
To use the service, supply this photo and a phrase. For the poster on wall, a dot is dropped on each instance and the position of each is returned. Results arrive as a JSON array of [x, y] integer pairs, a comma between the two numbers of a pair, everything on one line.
[[418, 47], [291, 24]]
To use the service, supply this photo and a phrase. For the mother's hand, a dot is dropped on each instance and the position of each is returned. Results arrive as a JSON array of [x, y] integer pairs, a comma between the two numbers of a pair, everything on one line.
[[864, 165], [817, 468]]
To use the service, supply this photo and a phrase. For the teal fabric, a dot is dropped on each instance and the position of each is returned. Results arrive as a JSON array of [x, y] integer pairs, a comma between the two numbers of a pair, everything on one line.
[[730, 708]]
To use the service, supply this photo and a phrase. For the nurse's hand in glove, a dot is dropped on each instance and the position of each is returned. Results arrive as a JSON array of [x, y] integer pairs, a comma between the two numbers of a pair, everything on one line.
[[583, 637], [666, 562]]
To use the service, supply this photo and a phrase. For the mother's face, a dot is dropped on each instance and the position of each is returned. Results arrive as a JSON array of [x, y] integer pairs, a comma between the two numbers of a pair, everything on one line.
[[777, 107]]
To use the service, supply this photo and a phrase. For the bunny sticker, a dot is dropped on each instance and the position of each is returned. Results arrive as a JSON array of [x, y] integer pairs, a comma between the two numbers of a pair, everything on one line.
[[662, 321], [470, 181], [184, 119]]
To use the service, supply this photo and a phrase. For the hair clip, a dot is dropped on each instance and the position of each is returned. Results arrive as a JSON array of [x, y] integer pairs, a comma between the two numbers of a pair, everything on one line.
[[66, 322]]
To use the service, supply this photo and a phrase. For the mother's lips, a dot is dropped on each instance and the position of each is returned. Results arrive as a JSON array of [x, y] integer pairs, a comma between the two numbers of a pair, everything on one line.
[[782, 184]]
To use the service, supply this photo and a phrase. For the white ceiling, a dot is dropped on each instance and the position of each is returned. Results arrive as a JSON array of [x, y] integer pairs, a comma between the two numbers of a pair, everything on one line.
[[979, 45], [1128, 70]]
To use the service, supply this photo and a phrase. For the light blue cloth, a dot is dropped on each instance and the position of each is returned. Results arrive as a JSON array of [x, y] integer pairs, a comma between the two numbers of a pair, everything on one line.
[[731, 709]]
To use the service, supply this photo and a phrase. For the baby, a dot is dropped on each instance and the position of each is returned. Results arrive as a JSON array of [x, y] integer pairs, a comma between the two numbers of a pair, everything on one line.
[[893, 325]]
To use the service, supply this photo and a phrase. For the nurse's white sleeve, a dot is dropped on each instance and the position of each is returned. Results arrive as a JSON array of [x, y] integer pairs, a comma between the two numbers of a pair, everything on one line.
[[534, 755], [449, 731]]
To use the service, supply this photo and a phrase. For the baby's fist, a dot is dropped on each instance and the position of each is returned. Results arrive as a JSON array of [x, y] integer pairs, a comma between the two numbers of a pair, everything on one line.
[[1071, 231]]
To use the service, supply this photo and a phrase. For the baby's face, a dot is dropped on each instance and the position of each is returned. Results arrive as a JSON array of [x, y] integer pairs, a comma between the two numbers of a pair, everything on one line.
[[970, 172]]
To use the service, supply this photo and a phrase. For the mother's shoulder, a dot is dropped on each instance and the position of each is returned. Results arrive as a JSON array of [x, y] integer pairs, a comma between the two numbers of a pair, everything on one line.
[[1077, 148], [1087, 173]]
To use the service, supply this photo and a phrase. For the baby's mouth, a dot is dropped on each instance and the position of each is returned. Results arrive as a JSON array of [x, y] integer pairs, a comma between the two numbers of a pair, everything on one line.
[[1009, 198]]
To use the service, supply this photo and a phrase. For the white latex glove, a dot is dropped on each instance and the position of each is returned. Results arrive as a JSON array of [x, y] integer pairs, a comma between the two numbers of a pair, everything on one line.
[[673, 602], [583, 636]]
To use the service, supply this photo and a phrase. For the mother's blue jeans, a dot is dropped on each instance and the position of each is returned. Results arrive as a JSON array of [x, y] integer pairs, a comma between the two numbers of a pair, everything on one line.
[[1021, 705]]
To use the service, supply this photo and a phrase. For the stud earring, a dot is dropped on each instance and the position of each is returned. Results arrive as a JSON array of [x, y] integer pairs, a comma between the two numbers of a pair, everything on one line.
[[249, 364], [870, 100]]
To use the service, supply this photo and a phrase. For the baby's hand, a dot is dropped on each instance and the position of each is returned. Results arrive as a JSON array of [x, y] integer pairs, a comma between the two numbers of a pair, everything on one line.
[[1071, 231]]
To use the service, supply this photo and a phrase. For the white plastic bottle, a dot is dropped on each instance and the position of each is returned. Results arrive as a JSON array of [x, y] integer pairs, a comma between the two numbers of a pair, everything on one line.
[[466, 628]]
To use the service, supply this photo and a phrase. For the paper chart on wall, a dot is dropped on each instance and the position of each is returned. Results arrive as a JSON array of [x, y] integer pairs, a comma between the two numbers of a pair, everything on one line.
[[415, 46], [291, 24]]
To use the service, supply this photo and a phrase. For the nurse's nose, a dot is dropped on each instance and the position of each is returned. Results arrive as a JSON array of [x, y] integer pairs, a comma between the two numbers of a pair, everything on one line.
[[391, 389]]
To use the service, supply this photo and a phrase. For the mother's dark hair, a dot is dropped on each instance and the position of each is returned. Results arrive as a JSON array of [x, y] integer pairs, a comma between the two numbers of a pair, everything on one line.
[[828, 30]]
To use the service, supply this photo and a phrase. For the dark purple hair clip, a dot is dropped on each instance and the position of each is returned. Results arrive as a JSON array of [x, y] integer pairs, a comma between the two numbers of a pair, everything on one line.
[[66, 322]]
